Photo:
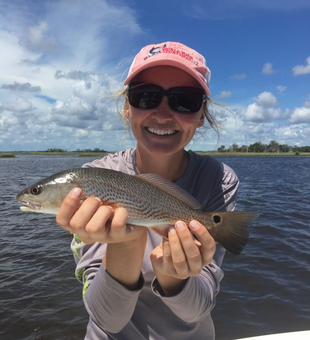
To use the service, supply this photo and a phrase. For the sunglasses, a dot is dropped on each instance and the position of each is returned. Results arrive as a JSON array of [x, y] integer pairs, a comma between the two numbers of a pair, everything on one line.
[[145, 96]]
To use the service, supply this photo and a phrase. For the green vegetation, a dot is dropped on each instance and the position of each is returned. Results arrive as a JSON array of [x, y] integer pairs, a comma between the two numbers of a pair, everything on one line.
[[92, 154], [93, 150], [57, 152], [7, 155], [253, 154], [273, 148], [96, 150]]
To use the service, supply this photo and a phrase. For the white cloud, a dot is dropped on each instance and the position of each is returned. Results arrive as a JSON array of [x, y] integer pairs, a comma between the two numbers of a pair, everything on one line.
[[301, 69], [263, 110], [224, 94], [301, 115], [268, 69], [263, 120], [298, 134], [73, 75], [281, 88], [26, 87], [266, 99], [20, 105], [256, 113], [239, 76], [38, 39]]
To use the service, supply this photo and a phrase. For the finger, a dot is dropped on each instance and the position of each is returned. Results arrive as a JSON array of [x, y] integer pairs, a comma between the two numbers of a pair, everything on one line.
[[82, 216], [85, 213], [190, 248], [98, 223], [167, 258], [208, 245], [68, 208], [177, 254], [118, 224]]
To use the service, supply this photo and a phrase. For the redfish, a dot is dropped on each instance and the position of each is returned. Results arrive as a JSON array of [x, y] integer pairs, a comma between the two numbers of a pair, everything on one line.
[[151, 201]]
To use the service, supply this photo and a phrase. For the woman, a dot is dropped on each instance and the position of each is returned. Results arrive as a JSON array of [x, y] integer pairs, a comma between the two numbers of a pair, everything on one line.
[[136, 284]]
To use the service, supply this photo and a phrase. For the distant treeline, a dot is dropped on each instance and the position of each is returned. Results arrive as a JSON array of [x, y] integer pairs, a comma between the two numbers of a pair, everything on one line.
[[273, 146], [78, 150], [257, 147]]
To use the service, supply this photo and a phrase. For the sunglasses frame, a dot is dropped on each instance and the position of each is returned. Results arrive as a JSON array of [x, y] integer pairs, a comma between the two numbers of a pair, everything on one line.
[[167, 93]]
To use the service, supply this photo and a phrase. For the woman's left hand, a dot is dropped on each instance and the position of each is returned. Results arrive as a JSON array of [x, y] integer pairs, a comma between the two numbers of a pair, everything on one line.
[[181, 256]]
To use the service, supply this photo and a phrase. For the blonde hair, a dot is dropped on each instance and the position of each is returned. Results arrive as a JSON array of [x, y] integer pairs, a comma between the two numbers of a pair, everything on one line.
[[210, 118]]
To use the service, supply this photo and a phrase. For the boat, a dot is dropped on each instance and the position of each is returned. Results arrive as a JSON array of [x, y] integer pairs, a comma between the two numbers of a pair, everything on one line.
[[301, 335]]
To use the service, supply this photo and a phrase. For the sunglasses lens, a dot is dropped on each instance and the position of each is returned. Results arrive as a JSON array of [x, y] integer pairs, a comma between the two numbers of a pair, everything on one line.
[[186, 99], [181, 99], [144, 97]]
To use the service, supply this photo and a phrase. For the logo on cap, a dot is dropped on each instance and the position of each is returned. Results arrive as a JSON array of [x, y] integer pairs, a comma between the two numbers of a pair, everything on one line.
[[164, 49]]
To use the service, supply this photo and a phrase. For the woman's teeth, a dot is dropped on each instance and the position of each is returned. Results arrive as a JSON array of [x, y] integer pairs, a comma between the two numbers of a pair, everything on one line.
[[161, 132]]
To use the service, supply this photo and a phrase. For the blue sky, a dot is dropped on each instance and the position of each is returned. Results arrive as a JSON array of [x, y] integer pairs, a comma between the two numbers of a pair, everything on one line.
[[61, 60]]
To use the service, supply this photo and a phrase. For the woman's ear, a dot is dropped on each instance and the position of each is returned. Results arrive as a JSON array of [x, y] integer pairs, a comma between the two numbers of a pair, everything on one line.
[[201, 120], [126, 112]]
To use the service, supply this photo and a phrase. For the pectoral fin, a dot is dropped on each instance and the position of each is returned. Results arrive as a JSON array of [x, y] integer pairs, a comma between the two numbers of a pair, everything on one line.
[[162, 230]]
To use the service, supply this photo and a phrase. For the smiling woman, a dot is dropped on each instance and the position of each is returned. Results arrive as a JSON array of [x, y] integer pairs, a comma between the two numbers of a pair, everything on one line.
[[136, 283]]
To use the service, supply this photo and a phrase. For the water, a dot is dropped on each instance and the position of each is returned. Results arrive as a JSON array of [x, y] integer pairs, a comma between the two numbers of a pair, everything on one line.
[[265, 290]]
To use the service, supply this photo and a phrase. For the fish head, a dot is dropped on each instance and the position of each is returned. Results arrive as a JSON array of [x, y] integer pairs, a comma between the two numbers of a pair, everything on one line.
[[45, 196]]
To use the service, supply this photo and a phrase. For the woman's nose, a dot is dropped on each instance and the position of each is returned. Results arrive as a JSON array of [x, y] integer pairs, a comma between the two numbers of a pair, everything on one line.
[[163, 110]]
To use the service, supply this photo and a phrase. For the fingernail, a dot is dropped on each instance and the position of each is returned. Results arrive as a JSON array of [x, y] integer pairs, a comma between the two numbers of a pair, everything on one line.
[[180, 225], [194, 225], [172, 230], [98, 199], [76, 193]]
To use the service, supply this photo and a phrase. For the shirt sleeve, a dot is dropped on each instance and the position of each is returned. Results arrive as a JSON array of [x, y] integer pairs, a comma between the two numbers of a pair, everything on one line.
[[109, 304], [198, 296]]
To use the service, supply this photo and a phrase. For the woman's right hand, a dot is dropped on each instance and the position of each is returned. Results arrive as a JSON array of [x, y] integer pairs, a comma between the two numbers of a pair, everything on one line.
[[93, 222]]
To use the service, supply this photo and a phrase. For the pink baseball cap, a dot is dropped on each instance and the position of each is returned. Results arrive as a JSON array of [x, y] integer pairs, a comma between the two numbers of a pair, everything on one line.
[[172, 54]]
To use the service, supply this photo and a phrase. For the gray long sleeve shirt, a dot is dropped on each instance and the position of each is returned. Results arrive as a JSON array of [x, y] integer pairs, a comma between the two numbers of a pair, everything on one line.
[[118, 313]]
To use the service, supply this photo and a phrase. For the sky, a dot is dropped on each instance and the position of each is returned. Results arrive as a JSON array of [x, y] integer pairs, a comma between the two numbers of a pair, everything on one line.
[[61, 61]]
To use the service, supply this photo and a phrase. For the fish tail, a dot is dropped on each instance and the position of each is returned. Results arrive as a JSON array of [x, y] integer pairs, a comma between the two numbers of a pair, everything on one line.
[[231, 229]]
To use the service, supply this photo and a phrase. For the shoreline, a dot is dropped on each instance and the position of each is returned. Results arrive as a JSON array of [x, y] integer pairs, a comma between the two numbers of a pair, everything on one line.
[[254, 154], [102, 154]]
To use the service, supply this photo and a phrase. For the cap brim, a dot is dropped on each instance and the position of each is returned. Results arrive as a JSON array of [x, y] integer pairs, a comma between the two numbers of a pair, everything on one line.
[[169, 62]]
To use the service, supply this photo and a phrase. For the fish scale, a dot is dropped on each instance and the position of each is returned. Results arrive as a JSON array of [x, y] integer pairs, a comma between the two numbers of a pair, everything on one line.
[[151, 201]]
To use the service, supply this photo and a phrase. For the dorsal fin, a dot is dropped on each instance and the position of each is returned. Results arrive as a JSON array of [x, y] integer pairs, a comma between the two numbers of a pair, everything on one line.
[[170, 188]]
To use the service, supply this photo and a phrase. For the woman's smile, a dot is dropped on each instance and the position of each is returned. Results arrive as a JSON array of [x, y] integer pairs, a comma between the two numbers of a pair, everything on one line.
[[161, 132]]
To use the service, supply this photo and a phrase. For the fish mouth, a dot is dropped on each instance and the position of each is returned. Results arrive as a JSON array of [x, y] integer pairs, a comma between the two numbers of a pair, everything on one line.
[[29, 206]]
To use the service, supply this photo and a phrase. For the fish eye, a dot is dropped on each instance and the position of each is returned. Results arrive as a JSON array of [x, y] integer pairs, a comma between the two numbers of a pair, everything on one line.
[[36, 190]]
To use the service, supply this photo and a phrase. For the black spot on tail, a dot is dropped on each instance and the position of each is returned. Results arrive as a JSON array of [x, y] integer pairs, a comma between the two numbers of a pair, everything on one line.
[[231, 229], [217, 219]]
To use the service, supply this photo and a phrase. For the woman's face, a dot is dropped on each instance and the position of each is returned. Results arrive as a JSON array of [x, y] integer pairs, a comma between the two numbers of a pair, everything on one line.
[[162, 131]]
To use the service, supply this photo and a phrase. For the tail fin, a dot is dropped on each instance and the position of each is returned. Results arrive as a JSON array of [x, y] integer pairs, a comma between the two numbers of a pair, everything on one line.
[[231, 229]]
